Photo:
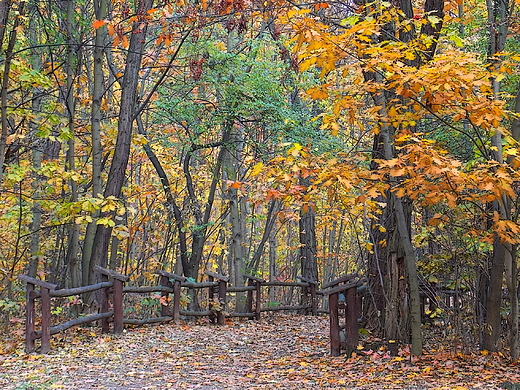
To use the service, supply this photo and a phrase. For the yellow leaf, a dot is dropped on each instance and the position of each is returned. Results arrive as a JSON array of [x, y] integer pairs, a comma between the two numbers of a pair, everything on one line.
[[257, 168], [334, 129], [392, 112]]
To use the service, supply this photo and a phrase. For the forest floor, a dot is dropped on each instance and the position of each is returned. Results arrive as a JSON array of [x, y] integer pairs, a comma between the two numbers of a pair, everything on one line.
[[280, 352]]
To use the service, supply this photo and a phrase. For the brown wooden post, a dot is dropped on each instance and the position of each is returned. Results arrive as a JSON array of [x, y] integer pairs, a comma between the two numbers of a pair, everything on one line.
[[177, 280], [118, 281], [177, 302], [104, 296], [222, 292], [314, 301], [222, 288], [359, 304], [118, 306], [44, 294], [309, 290], [257, 282], [335, 342], [351, 321], [46, 319], [165, 309], [249, 306], [211, 296], [29, 318], [258, 302]]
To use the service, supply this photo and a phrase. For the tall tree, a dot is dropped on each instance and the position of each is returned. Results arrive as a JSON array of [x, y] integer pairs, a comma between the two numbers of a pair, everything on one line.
[[127, 115]]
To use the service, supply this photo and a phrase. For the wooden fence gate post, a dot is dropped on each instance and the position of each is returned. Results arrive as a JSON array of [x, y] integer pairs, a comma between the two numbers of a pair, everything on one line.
[[176, 285], [258, 303], [118, 306], [118, 281], [249, 304], [222, 291], [29, 318], [46, 319], [177, 302], [165, 309], [351, 321], [335, 342], [45, 295], [211, 297]]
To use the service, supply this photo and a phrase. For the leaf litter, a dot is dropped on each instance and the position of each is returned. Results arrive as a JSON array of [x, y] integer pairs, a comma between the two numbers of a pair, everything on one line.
[[280, 352]]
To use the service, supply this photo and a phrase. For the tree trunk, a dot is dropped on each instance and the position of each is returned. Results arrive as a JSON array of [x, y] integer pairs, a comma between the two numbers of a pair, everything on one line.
[[4, 14], [127, 113], [100, 7], [231, 166], [71, 258], [307, 225], [409, 256], [272, 264], [270, 220], [497, 11], [36, 162]]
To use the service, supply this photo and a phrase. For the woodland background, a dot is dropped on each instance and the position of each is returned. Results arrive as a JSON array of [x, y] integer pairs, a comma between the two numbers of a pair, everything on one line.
[[270, 138]]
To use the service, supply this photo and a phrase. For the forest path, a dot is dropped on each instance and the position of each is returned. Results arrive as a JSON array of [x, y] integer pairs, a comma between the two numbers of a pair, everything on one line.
[[280, 352]]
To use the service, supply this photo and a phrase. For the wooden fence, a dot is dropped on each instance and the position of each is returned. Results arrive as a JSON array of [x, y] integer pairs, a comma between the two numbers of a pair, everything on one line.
[[345, 293], [113, 286], [112, 283]]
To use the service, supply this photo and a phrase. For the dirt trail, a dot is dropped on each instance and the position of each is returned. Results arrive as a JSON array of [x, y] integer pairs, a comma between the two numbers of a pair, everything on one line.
[[278, 353]]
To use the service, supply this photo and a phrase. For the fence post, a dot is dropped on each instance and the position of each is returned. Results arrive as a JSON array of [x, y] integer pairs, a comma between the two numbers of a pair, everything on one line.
[[29, 318], [177, 302], [351, 321], [222, 288], [165, 281], [258, 303], [118, 281], [314, 301], [257, 282], [118, 306], [103, 307], [335, 342], [249, 305], [46, 319], [211, 296], [165, 309], [222, 291], [44, 294], [309, 290]]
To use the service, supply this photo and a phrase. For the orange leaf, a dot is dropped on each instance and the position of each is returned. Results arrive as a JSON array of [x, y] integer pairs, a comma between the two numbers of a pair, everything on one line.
[[99, 23]]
